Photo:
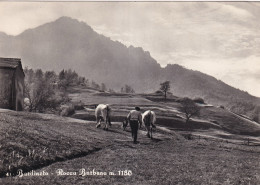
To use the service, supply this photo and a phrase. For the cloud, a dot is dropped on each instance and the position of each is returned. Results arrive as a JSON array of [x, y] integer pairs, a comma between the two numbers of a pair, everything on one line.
[[235, 12]]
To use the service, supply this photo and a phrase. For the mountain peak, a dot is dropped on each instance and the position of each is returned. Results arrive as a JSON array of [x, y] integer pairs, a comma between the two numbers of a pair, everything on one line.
[[66, 19], [63, 24], [71, 23], [174, 65]]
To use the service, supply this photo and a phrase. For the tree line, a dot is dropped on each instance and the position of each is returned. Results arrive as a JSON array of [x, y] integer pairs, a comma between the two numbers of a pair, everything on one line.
[[47, 91]]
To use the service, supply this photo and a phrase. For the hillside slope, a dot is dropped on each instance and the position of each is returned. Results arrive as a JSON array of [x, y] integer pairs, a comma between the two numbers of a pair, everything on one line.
[[168, 113], [42, 142], [36, 140]]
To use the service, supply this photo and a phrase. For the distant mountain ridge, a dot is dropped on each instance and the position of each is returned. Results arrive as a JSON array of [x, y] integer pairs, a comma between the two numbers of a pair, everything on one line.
[[67, 43]]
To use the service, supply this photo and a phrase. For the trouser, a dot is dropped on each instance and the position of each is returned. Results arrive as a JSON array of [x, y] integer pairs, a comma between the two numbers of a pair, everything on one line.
[[134, 129]]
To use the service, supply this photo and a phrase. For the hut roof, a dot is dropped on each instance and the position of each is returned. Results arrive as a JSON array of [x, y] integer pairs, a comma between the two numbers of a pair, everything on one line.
[[11, 63]]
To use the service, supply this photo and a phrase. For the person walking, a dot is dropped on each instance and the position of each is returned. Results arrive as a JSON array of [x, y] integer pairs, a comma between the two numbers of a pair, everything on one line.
[[135, 118]]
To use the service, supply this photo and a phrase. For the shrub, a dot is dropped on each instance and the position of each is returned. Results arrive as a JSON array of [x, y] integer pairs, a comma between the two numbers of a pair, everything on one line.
[[158, 92], [199, 100], [188, 136], [67, 110], [180, 100], [79, 106]]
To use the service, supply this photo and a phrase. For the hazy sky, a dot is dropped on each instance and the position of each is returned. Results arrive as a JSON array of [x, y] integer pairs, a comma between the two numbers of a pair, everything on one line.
[[217, 38]]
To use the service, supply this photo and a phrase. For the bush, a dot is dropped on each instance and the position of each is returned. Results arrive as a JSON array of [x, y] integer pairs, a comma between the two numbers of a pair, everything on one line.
[[180, 100], [188, 136], [79, 106], [67, 110], [158, 92], [199, 100]]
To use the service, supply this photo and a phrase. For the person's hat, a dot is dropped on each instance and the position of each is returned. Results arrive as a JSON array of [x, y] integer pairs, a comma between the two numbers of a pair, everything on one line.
[[137, 108]]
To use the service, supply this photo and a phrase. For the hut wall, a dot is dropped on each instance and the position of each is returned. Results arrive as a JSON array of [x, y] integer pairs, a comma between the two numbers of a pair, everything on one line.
[[19, 86], [6, 88]]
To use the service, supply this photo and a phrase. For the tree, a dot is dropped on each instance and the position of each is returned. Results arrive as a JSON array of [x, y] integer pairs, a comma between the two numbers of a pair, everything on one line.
[[62, 80], [189, 108], [127, 89], [111, 91], [68, 78], [62, 75], [39, 75], [81, 81], [50, 76], [87, 82], [165, 87], [40, 93], [95, 85], [103, 87]]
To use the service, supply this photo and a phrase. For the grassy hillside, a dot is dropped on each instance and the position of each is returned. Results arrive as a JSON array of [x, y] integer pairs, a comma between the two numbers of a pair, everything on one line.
[[168, 112], [43, 142]]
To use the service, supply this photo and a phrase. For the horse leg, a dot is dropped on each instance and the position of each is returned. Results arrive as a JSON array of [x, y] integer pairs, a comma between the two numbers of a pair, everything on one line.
[[106, 127], [151, 132], [109, 122], [148, 130], [123, 125], [98, 122]]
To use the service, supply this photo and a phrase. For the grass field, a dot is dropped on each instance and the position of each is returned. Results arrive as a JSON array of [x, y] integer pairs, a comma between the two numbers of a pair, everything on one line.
[[167, 112], [224, 149], [48, 143]]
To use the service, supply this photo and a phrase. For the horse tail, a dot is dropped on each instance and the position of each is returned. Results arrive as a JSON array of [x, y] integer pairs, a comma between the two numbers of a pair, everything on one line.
[[107, 108], [149, 117], [154, 118]]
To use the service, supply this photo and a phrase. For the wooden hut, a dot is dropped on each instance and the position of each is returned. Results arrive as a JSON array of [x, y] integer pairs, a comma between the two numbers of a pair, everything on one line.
[[11, 84]]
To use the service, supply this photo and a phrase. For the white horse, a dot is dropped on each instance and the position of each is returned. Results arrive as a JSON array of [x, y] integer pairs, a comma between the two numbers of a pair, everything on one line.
[[149, 119], [103, 112]]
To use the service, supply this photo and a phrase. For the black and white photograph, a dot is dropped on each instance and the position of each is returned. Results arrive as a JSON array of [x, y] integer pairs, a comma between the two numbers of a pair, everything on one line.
[[130, 92]]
